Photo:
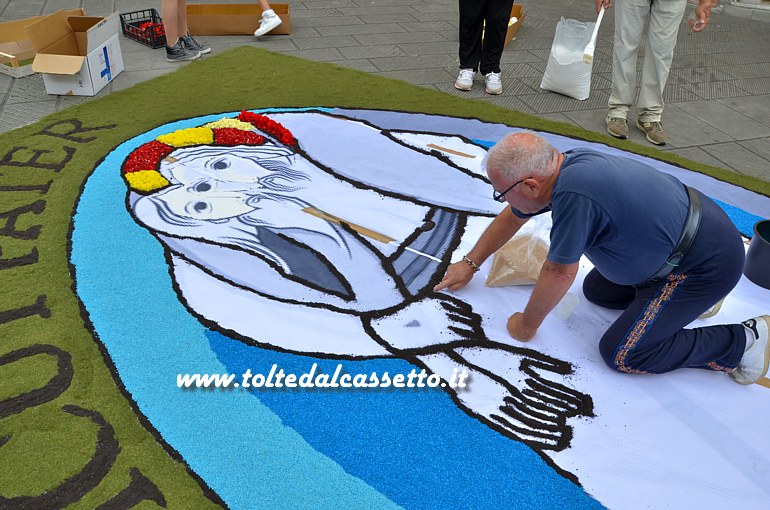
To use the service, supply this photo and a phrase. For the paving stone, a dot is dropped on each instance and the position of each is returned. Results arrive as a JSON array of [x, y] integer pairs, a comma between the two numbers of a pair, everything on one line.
[[64, 102], [98, 7], [591, 119], [441, 27], [387, 50], [745, 57], [331, 4], [436, 16], [728, 121], [312, 14], [512, 55], [511, 103], [739, 158], [380, 28], [274, 44], [429, 48], [699, 155], [389, 17], [534, 43], [55, 5], [339, 41], [418, 62], [754, 85], [128, 79], [404, 37], [296, 32], [390, 3], [319, 55], [519, 71], [556, 117], [369, 14], [476, 93], [552, 102], [360, 64], [715, 90], [677, 93], [686, 130], [330, 21], [762, 16], [754, 107], [701, 60], [599, 82], [18, 10], [747, 71], [759, 146], [699, 74], [27, 89], [533, 82], [20, 114], [422, 76], [437, 8], [5, 82]]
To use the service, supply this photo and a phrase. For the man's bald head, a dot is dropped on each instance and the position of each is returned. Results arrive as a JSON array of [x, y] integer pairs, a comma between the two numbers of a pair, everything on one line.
[[519, 156]]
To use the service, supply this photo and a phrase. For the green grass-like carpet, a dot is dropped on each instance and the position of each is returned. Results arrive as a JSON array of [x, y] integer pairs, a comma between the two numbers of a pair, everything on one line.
[[68, 433]]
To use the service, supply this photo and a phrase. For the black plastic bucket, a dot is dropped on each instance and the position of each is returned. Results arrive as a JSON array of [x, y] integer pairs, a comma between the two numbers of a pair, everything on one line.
[[757, 268]]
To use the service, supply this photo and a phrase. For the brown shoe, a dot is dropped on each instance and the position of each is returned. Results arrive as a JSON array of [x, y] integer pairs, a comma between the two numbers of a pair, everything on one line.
[[653, 131], [617, 127]]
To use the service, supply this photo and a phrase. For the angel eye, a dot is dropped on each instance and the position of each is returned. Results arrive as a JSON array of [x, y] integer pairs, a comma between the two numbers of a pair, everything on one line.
[[202, 187], [199, 207], [221, 164]]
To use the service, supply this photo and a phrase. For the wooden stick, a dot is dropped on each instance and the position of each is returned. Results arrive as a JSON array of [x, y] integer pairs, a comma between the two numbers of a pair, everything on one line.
[[339, 221], [450, 151]]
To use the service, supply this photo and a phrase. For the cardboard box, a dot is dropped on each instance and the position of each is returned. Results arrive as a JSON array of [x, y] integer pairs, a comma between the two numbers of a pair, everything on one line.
[[16, 50], [233, 19], [77, 55], [516, 12]]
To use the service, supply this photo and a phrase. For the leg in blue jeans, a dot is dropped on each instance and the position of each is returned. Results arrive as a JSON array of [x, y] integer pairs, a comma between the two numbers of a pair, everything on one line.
[[648, 337]]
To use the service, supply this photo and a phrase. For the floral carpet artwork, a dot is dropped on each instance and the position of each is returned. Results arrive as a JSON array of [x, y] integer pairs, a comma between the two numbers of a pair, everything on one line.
[[278, 241], [308, 240]]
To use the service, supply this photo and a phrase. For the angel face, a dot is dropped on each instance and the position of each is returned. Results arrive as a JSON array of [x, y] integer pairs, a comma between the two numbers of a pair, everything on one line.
[[213, 183]]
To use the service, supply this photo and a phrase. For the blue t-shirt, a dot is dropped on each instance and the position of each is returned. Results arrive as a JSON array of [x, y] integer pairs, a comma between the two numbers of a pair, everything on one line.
[[625, 216]]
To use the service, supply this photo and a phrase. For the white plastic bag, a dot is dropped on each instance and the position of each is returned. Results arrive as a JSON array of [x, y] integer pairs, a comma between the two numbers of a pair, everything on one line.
[[567, 72]]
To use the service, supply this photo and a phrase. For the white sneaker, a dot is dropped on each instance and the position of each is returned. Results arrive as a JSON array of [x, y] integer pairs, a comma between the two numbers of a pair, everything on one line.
[[268, 22], [494, 85], [465, 79], [754, 363]]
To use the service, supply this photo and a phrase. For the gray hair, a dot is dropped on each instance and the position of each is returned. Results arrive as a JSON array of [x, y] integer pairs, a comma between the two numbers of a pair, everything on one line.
[[519, 156]]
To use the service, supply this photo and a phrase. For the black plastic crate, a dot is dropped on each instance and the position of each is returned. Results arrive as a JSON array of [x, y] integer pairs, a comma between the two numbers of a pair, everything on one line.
[[145, 27]]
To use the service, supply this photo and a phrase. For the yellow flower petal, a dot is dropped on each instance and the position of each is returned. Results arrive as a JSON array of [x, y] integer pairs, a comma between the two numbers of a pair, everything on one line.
[[226, 122], [146, 180], [187, 137]]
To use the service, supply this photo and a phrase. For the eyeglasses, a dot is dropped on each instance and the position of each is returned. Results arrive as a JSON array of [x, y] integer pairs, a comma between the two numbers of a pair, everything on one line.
[[500, 197]]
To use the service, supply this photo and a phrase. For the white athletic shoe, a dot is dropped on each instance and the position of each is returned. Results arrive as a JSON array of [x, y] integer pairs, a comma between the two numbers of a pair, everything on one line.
[[754, 363], [268, 22], [465, 79], [494, 84]]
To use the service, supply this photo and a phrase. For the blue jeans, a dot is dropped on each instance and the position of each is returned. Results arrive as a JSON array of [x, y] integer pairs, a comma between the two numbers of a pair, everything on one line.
[[649, 336]]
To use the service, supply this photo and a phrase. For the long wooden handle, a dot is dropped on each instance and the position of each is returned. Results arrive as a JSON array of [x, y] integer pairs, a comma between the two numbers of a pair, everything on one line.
[[339, 221]]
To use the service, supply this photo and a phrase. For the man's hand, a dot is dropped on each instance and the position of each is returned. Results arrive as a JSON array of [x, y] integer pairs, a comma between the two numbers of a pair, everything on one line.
[[457, 276], [702, 15], [518, 328], [602, 3]]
